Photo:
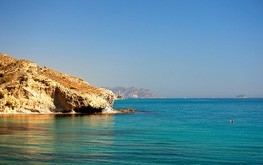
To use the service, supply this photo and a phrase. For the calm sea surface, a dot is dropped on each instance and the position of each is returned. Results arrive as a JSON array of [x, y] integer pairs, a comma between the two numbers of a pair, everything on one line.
[[161, 131]]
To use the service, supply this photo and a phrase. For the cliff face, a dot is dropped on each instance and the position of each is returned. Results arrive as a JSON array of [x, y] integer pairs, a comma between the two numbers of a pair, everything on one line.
[[27, 88]]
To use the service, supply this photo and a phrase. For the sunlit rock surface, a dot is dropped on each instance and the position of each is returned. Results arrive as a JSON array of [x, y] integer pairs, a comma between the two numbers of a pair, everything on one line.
[[28, 88]]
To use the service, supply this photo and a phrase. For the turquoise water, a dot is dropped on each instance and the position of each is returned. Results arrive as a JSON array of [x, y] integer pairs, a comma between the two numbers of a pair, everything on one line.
[[161, 131]]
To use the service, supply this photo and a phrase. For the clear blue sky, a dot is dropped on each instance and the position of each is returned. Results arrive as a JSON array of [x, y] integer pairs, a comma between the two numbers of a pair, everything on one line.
[[176, 48]]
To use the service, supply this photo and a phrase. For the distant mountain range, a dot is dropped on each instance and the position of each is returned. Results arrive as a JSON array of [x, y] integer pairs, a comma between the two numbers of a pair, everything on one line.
[[133, 92]]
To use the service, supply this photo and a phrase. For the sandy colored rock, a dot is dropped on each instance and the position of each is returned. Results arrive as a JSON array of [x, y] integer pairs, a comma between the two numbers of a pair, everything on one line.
[[28, 88]]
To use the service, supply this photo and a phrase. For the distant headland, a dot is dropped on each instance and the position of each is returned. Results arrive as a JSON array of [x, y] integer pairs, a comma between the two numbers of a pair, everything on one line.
[[29, 89], [241, 96], [132, 92]]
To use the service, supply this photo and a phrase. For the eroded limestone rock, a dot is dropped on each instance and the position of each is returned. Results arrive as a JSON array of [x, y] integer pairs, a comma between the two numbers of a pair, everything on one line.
[[28, 88]]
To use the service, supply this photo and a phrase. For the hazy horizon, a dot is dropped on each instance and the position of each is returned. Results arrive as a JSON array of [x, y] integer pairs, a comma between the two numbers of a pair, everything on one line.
[[175, 48]]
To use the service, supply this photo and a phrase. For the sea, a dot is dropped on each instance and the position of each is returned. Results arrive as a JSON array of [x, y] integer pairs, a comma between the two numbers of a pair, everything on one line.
[[160, 131]]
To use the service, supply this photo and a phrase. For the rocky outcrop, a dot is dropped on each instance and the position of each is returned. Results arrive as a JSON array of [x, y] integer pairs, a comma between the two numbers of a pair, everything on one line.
[[28, 88]]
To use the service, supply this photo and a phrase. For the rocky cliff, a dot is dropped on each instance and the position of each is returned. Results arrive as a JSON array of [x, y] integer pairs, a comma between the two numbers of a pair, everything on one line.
[[28, 88]]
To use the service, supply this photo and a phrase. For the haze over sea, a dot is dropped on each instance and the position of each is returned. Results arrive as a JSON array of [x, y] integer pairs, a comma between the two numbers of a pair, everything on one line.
[[161, 131]]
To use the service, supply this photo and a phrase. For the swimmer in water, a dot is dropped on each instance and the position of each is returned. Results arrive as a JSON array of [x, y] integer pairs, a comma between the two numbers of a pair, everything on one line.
[[231, 121]]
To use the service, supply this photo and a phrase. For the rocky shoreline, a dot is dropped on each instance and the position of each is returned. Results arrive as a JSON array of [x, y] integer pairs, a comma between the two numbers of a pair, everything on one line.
[[26, 88], [112, 112]]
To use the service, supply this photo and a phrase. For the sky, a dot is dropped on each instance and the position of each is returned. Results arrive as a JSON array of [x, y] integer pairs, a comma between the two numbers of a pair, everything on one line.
[[175, 48]]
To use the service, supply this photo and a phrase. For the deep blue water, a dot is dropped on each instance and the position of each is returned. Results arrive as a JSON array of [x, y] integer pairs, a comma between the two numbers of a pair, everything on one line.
[[161, 131]]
